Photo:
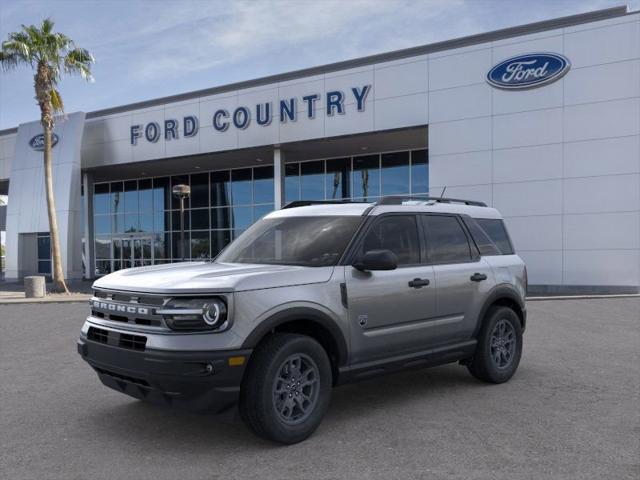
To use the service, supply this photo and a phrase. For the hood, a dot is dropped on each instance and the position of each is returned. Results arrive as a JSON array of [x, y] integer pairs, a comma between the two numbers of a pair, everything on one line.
[[207, 277]]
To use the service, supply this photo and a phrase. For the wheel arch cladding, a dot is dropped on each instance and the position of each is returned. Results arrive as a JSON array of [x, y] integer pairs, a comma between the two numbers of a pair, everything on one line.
[[503, 296], [305, 321]]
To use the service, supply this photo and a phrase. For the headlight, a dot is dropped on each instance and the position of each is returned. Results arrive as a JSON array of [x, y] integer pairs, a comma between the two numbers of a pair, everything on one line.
[[195, 314]]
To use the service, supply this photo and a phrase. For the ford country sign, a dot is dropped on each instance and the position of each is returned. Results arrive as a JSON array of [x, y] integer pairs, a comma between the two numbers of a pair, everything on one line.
[[37, 142], [528, 71]]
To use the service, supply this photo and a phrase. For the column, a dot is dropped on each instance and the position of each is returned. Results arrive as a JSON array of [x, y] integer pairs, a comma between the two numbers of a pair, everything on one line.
[[278, 178]]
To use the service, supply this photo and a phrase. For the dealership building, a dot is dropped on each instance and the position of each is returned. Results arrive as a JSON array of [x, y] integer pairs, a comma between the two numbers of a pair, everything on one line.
[[541, 121]]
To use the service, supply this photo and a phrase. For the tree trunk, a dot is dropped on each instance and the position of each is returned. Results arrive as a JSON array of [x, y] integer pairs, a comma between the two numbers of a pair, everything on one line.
[[59, 284], [43, 86]]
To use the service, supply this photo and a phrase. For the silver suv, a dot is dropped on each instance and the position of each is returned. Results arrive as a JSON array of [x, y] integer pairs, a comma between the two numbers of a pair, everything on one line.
[[312, 296]]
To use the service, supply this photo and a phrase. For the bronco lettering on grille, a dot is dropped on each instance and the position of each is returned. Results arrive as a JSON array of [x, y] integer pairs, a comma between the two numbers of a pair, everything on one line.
[[118, 307]]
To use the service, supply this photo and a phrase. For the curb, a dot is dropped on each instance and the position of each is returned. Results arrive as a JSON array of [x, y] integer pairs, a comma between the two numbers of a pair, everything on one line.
[[71, 299], [581, 297]]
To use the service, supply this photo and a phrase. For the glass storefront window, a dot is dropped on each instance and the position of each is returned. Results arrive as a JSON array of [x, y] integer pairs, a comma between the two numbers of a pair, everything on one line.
[[175, 220], [220, 218], [200, 190], [145, 195], [131, 203], [337, 179], [312, 180], [161, 194], [263, 185], [242, 217], [225, 203], [101, 199], [220, 189], [117, 192], [292, 182], [200, 219], [199, 245], [366, 177], [420, 171], [241, 187], [395, 173], [219, 240]]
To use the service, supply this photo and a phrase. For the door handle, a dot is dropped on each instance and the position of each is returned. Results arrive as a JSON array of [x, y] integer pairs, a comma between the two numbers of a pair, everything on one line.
[[478, 277], [419, 282]]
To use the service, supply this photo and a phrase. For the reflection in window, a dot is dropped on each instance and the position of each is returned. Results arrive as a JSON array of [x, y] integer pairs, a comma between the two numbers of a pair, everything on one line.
[[241, 186], [220, 189], [420, 171], [263, 185], [366, 177], [101, 199], [312, 180], [200, 219], [242, 217], [161, 194], [200, 190], [292, 182], [199, 245], [395, 173], [337, 178]]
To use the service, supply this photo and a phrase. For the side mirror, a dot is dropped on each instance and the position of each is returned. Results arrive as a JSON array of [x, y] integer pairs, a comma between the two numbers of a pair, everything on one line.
[[377, 260]]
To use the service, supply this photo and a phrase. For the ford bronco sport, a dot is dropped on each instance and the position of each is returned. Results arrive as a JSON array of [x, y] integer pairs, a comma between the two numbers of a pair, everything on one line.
[[309, 297]]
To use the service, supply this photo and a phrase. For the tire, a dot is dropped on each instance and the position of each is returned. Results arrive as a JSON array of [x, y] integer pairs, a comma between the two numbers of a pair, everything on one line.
[[497, 363], [271, 405]]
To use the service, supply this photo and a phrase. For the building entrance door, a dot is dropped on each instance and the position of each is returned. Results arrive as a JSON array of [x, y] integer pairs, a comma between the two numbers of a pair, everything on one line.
[[132, 251]]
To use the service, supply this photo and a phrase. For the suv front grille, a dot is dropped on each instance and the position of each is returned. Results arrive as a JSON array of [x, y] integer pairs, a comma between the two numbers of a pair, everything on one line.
[[128, 308], [122, 340]]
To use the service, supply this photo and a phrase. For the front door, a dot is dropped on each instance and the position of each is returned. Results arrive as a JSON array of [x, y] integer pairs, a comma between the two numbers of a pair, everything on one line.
[[390, 311], [132, 251]]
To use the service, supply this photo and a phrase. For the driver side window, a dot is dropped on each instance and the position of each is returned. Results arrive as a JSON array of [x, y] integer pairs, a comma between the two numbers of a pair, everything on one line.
[[398, 233]]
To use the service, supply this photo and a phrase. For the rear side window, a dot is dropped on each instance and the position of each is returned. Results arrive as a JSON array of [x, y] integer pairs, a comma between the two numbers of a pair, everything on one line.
[[446, 240], [494, 227], [398, 233], [484, 243]]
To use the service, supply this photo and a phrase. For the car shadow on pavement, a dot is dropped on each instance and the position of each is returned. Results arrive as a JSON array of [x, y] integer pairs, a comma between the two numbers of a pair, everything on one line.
[[138, 421]]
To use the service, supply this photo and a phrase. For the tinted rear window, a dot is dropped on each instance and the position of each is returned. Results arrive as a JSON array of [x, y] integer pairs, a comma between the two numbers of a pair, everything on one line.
[[446, 240], [497, 233], [481, 238]]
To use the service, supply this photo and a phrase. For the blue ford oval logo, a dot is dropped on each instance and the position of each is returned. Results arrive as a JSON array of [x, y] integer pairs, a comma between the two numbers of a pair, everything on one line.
[[528, 71], [37, 142]]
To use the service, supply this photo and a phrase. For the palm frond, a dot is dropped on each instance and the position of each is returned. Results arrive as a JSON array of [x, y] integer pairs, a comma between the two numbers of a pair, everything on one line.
[[56, 101], [79, 61]]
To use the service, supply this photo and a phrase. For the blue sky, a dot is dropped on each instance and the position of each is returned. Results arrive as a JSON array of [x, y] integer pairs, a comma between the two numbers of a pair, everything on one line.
[[149, 49]]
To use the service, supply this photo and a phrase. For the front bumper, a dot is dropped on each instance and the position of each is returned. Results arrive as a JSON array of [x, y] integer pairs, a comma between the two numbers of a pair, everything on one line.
[[197, 381]]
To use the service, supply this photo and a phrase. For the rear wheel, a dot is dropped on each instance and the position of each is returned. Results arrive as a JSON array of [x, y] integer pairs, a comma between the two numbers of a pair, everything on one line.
[[287, 388], [499, 346]]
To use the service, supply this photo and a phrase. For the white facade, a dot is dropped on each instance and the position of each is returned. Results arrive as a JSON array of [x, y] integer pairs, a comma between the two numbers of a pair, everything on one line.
[[561, 161]]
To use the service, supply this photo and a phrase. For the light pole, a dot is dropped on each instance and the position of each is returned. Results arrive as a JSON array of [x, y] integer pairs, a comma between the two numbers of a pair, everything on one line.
[[182, 192]]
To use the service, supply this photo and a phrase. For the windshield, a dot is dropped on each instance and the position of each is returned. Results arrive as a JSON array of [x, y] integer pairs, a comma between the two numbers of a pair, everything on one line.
[[305, 241]]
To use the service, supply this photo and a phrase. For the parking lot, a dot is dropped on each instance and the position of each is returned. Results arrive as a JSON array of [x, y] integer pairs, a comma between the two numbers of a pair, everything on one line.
[[571, 412]]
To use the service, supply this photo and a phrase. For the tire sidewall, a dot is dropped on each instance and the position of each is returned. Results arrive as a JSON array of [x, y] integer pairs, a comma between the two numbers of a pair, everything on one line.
[[273, 424]]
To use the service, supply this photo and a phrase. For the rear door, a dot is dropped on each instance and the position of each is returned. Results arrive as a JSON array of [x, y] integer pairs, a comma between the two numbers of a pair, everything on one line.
[[462, 278], [390, 311]]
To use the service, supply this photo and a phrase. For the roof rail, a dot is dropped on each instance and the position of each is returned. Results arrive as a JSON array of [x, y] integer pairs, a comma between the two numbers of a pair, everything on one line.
[[399, 199], [306, 203]]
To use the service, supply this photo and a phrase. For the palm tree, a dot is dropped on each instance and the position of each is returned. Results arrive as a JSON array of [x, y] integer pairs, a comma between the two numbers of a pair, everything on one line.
[[50, 55]]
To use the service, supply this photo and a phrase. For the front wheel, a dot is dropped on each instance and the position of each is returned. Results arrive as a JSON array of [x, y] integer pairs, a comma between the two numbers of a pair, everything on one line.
[[287, 388], [499, 346]]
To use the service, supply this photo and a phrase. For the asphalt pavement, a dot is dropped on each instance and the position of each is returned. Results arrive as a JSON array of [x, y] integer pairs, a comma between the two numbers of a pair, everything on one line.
[[571, 412]]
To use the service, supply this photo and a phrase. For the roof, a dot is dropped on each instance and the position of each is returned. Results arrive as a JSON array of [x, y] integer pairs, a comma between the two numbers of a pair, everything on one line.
[[371, 59], [359, 209]]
